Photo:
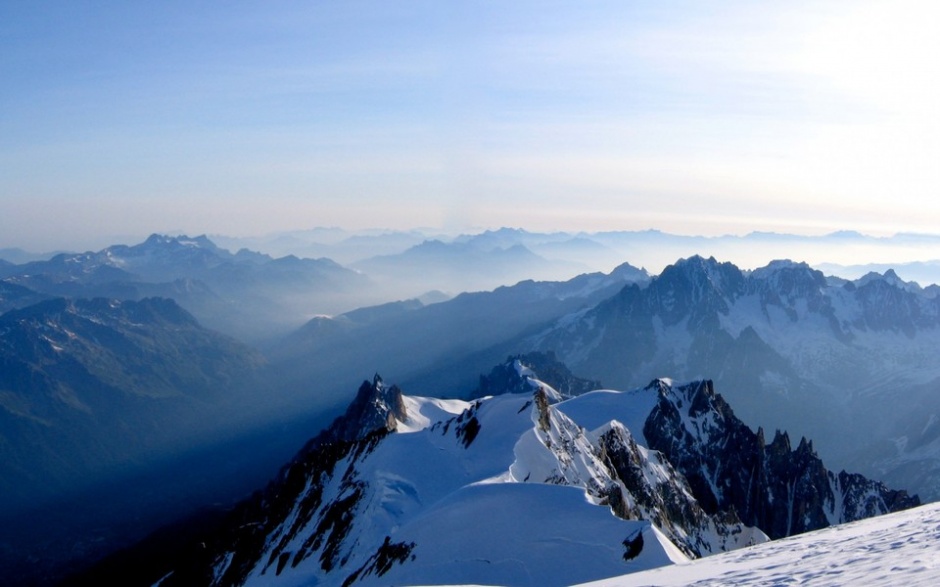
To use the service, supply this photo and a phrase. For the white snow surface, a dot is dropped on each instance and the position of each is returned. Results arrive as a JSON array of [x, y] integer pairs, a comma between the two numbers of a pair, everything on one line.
[[596, 408], [895, 549], [424, 411], [561, 537]]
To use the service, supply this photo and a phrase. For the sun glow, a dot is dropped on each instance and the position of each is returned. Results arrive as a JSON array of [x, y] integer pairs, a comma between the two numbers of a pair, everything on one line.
[[882, 54]]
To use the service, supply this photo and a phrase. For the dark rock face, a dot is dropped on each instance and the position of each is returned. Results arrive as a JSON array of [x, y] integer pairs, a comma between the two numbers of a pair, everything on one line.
[[730, 468], [387, 554], [468, 426], [696, 288], [637, 483], [633, 546], [296, 496], [887, 307], [667, 502], [375, 407], [784, 285]]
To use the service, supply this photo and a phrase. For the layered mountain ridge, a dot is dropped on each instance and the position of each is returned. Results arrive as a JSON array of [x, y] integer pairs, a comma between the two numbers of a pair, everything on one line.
[[850, 364], [791, 348], [244, 294]]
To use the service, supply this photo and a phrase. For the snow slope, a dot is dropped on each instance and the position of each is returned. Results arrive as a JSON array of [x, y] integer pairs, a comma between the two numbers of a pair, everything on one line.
[[895, 549], [562, 536]]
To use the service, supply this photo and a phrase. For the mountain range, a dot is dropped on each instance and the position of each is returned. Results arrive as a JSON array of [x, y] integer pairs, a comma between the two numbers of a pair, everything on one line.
[[463, 266], [914, 256], [100, 380], [443, 344], [847, 363], [246, 294]]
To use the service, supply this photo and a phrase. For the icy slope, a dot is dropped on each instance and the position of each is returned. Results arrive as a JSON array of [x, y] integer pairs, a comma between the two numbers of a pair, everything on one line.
[[896, 549]]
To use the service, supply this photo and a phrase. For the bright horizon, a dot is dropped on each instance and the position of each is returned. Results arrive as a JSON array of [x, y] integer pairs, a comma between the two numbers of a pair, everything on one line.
[[698, 119]]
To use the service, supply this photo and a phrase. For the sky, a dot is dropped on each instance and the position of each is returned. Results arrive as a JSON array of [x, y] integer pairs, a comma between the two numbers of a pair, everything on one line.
[[245, 118]]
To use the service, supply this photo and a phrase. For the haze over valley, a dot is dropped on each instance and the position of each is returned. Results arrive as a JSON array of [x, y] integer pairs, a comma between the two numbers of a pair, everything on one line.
[[173, 375]]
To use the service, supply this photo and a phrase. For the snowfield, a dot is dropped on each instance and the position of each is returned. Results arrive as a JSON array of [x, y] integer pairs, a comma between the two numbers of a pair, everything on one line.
[[895, 549]]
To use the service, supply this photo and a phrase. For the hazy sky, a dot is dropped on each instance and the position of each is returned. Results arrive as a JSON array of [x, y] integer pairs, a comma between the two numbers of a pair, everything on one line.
[[249, 117]]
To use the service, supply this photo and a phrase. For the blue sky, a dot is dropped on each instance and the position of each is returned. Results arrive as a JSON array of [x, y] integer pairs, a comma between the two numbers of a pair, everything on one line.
[[243, 118]]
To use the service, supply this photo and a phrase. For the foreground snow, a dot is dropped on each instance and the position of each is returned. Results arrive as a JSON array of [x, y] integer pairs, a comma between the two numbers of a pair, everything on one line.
[[894, 549]]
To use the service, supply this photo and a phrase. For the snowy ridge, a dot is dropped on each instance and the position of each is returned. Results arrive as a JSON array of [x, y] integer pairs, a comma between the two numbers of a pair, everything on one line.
[[508, 489]]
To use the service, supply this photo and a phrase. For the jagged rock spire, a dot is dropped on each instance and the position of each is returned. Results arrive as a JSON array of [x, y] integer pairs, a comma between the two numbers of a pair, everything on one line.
[[376, 406], [780, 490]]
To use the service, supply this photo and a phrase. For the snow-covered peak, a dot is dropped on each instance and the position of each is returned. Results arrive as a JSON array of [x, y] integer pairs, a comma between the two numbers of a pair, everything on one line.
[[778, 266], [697, 269], [161, 240], [509, 489], [423, 412]]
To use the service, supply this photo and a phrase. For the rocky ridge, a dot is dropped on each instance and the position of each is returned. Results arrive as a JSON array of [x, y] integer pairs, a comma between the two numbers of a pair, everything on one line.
[[379, 495], [850, 364]]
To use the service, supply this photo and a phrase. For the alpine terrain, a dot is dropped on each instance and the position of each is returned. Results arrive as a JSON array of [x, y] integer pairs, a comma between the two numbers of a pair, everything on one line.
[[245, 294], [851, 364], [525, 488]]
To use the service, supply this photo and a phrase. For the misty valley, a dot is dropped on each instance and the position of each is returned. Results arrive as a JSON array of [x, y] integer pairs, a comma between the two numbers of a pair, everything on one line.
[[506, 408]]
